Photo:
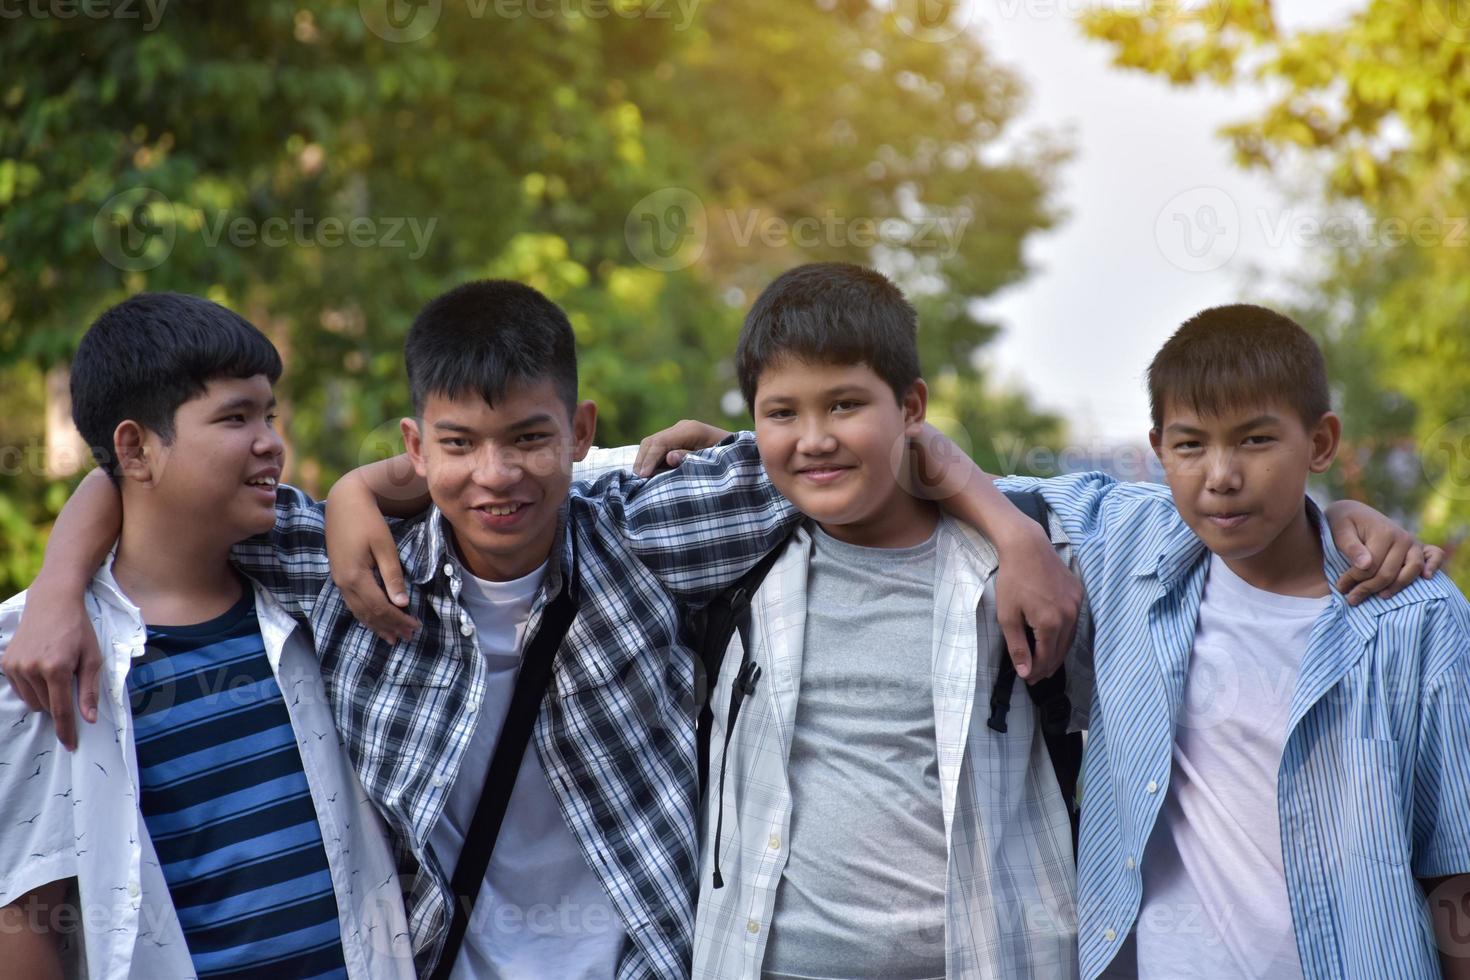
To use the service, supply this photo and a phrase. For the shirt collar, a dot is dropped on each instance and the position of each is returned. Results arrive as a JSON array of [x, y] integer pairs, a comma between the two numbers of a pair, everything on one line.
[[429, 551], [1181, 550]]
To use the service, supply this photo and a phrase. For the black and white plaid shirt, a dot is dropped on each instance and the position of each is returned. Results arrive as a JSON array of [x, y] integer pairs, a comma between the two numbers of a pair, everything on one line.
[[615, 734]]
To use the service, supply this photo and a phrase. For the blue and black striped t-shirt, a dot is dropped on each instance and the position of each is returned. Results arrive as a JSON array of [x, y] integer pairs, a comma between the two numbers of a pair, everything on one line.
[[227, 805]]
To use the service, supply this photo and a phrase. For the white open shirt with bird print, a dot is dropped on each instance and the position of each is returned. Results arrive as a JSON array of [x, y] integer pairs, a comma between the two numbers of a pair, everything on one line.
[[76, 814]]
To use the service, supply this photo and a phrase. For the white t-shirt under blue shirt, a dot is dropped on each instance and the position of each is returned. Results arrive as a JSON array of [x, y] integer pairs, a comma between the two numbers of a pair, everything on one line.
[[541, 911], [1214, 882]]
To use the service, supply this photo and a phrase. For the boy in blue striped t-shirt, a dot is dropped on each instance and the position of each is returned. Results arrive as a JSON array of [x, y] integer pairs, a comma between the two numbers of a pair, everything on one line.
[[1277, 782], [209, 825]]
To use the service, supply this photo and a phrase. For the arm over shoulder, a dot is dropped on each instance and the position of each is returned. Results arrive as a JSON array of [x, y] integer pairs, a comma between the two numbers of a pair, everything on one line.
[[291, 559], [700, 527]]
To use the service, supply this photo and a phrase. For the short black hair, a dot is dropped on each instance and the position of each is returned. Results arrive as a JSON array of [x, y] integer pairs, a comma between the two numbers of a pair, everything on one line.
[[1234, 357], [830, 313], [148, 355], [485, 335]]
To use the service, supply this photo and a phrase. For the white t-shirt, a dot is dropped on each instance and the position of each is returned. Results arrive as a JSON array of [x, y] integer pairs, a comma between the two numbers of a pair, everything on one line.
[[1214, 885], [541, 911]]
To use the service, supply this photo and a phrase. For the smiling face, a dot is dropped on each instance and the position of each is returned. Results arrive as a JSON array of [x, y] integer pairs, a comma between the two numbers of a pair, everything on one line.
[[217, 475], [500, 473], [1239, 480], [828, 437]]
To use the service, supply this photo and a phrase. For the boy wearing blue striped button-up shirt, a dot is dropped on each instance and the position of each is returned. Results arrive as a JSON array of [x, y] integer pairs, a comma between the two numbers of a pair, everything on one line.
[[1277, 781]]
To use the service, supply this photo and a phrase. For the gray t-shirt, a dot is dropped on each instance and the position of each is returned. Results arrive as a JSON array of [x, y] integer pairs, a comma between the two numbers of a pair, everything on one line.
[[862, 895]]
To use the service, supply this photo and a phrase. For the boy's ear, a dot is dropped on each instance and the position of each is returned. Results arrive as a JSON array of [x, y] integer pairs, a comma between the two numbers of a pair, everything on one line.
[[1156, 440], [413, 444], [584, 429], [1326, 437], [915, 404], [129, 447]]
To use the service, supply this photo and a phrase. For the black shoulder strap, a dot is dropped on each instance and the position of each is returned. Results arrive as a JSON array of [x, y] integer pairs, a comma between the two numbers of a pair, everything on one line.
[[724, 613], [520, 718], [1053, 707]]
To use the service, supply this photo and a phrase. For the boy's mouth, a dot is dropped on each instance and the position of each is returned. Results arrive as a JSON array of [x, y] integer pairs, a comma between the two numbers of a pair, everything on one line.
[[1228, 520], [822, 474], [501, 516], [264, 484]]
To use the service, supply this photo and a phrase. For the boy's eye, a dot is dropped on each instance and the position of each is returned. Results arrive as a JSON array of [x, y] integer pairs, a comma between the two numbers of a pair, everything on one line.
[[780, 413], [233, 418], [270, 419], [846, 405], [1260, 440], [454, 442], [526, 438], [1184, 447]]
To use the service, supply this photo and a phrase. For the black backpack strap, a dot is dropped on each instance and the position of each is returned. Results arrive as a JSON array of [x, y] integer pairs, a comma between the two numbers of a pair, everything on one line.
[[505, 765], [727, 611], [1053, 706]]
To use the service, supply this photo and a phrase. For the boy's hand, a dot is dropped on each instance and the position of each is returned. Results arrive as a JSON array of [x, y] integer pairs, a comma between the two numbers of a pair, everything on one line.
[[360, 547], [667, 448], [1385, 558], [1034, 589], [53, 643]]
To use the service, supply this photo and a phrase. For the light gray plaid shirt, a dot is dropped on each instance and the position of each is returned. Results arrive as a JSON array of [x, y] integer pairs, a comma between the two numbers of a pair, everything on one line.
[[1010, 907]]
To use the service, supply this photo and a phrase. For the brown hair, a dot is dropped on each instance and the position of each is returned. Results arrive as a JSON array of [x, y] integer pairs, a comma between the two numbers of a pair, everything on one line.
[[1231, 357]]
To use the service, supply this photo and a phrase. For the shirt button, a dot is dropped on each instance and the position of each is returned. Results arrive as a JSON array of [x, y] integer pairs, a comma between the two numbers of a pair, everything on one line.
[[1152, 786], [752, 927], [438, 781], [133, 889], [465, 629], [1129, 864], [1109, 935], [449, 569], [774, 842]]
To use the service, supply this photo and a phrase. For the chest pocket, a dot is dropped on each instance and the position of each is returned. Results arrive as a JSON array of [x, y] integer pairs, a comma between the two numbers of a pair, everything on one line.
[[1375, 824]]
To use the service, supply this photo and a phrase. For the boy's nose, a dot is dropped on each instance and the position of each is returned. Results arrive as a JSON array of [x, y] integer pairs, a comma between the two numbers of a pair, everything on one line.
[[498, 468], [815, 440], [1222, 475]]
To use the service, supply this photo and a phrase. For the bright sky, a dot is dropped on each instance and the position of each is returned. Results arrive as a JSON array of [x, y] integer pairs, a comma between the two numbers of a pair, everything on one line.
[[1119, 274]]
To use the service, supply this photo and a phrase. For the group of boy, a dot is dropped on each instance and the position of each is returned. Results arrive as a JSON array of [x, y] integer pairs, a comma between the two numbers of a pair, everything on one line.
[[445, 723]]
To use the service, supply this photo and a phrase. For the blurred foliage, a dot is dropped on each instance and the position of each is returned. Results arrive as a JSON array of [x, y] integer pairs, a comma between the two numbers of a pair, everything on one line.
[[1377, 109], [518, 145]]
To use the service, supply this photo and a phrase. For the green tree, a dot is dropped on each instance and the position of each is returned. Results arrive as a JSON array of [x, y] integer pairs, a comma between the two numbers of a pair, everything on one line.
[[231, 151], [1379, 106]]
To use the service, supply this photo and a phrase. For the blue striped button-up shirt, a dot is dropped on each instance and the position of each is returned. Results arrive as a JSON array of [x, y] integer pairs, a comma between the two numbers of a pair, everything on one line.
[[1374, 783]]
